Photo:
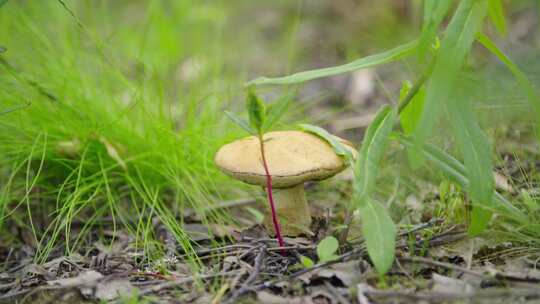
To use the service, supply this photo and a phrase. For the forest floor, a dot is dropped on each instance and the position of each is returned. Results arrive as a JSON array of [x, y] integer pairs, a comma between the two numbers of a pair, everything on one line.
[[436, 263]]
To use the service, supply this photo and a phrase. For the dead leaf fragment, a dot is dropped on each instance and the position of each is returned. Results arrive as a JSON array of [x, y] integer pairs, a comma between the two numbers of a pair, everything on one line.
[[106, 291], [87, 278], [450, 285]]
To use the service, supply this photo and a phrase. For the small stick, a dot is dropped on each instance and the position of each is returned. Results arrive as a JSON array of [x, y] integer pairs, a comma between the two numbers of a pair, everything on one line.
[[440, 264], [341, 299], [245, 286]]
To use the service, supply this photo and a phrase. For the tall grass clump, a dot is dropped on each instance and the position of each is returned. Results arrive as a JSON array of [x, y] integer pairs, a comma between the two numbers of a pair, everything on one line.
[[109, 121], [439, 57]]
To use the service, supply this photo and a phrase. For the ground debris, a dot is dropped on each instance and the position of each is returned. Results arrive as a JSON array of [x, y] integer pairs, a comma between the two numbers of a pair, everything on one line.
[[252, 268]]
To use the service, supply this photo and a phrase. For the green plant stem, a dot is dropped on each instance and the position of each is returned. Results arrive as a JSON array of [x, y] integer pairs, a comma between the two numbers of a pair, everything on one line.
[[269, 194], [417, 85]]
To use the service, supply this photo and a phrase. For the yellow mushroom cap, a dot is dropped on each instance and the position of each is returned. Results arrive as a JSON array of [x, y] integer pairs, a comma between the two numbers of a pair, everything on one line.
[[293, 157]]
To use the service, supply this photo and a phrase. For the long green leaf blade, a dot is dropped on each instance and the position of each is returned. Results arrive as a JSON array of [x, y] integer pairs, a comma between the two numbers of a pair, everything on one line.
[[522, 79], [371, 152], [434, 13], [362, 63], [380, 234], [455, 46], [377, 226], [496, 15], [477, 155]]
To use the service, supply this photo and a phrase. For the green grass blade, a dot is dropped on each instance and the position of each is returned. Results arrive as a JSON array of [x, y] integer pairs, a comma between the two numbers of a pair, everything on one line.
[[496, 15], [456, 171], [434, 13], [371, 152], [477, 155], [339, 148], [380, 234], [455, 46], [395, 54], [275, 111], [522, 79], [240, 122]]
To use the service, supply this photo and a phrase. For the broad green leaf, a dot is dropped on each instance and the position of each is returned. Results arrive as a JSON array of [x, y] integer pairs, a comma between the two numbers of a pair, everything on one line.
[[339, 147], [306, 262], [240, 122], [380, 234], [275, 111], [477, 155], [327, 248], [522, 79], [371, 152], [256, 110], [395, 54], [434, 13], [455, 47], [496, 15], [456, 171]]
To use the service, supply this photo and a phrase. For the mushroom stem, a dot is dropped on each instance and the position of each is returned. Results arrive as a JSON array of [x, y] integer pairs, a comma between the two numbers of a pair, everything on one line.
[[292, 210]]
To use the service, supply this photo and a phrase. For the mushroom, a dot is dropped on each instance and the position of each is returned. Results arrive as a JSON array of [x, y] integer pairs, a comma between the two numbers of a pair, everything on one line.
[[293, 157]]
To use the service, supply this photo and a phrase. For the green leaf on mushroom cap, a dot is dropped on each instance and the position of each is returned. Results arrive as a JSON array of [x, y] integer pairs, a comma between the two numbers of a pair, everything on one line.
[[256, 110], [338, 146]]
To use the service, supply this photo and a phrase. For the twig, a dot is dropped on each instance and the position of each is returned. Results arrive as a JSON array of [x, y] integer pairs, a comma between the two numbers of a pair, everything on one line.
[[341, 299], [440, 264], [246, 285], [171, 284], [448, 296]]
